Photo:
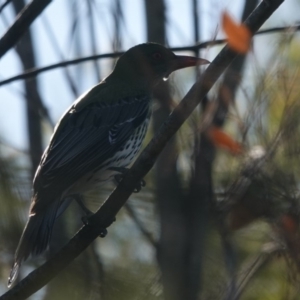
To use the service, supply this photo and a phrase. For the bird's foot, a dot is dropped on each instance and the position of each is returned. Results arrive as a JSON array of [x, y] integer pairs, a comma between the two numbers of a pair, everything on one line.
[[86, 219], [103, 231], [123, 171], [80, 201]]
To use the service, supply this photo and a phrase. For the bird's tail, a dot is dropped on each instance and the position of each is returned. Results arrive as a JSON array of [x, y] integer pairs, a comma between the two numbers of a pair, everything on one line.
[[35, 237]]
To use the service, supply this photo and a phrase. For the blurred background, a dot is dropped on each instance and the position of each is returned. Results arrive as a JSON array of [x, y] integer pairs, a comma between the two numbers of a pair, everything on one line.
[[219, 217]]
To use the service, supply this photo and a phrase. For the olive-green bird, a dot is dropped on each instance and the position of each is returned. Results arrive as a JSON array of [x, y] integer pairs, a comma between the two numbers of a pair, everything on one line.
[[99, 134]]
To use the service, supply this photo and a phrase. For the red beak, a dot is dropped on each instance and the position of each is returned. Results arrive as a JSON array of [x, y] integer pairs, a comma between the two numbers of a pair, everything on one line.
[[181, 62]]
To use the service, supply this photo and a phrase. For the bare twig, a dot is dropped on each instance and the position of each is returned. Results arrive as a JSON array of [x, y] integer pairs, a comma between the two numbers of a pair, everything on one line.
[[103, 217], [21, 24], [34, 72], [251, 267], [4, 5], [194, 48], [140, 225]]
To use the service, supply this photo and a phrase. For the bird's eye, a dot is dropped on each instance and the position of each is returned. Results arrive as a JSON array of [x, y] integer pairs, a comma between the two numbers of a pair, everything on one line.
[[156, 55]]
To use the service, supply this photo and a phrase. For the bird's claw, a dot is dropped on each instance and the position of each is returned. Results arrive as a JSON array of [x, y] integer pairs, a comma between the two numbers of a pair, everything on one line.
[[85, 220], [141, 184], [103, 231], [119, 177]]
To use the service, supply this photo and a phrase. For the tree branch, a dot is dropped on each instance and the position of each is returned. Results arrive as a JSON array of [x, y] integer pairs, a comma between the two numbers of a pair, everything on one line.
[[4, 5], [88, 233], [147, 234], [253, 266], [21, 24]]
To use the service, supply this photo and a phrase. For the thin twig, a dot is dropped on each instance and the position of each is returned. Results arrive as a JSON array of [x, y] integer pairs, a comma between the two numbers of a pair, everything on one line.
[[34, 72], [255, 264], [194, 48], [21, 24], [140, 225]]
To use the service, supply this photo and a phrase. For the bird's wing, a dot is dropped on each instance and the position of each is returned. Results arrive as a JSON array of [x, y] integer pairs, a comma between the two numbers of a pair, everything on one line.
[[86, 138]]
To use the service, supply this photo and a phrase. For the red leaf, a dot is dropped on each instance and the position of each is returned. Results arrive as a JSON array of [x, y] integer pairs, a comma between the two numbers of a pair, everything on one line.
[[238, 35], [223, 140]]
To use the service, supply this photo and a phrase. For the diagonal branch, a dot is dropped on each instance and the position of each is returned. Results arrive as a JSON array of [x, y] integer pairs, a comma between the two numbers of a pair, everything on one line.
[[254, 265], [88, 233], [21, 24]]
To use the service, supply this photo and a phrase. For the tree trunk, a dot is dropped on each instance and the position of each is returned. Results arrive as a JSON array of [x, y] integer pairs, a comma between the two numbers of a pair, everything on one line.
[[34, 104], [201, 188], [168, 187]]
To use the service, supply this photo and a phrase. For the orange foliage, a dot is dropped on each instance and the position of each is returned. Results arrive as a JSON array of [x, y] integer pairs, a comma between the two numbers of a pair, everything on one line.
[[238, 35], [223, 140]]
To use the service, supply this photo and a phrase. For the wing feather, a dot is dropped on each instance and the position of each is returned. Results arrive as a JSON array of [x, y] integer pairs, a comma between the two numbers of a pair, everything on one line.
[[87, 139]]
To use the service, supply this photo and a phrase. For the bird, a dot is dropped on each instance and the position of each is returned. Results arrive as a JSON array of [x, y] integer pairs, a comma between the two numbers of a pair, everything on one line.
[[96, 138]]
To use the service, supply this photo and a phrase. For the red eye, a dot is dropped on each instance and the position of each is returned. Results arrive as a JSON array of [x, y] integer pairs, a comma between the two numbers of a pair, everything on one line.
[[156, 55]]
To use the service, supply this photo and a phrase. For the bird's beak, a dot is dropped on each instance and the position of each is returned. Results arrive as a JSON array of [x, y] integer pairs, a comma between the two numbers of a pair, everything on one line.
[[181, 62]]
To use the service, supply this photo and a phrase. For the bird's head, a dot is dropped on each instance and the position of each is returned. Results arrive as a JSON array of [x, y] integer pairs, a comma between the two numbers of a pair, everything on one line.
[[151, 63]]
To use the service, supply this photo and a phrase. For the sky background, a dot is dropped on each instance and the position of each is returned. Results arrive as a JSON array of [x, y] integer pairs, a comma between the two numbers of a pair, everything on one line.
[[58, 16]]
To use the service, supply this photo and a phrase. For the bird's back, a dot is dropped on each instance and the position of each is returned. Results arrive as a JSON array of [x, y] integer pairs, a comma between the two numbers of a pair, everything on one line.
[[105, 128]]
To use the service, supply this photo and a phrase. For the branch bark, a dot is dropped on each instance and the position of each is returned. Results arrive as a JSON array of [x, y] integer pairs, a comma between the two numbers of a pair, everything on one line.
[[21, 24], [88, 233], [197, 215]]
